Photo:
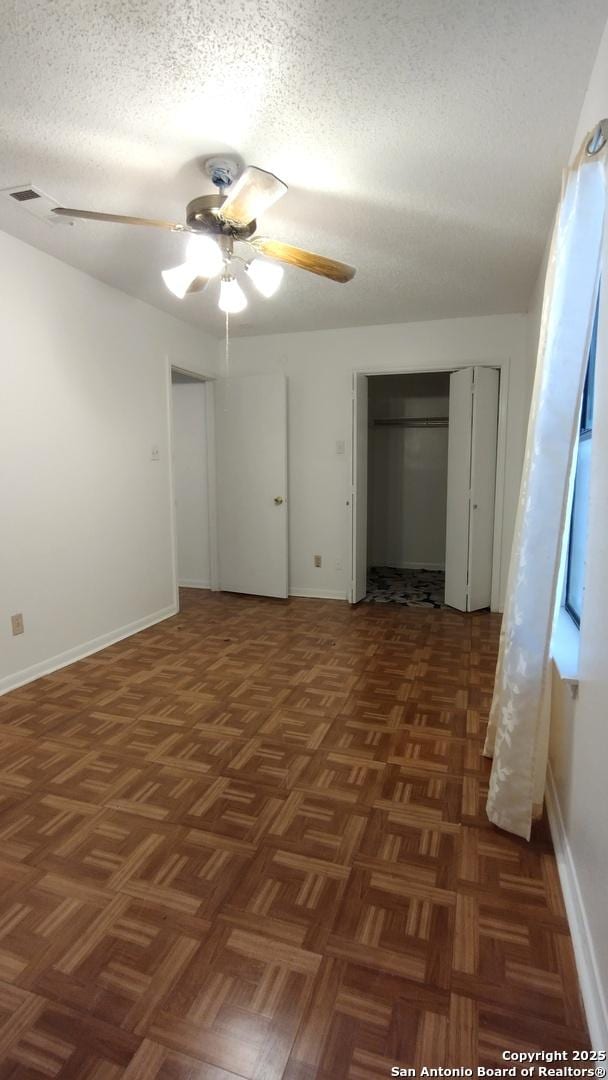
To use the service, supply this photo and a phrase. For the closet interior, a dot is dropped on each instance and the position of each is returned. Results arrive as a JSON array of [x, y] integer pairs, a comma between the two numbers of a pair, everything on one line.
[[408, 417]]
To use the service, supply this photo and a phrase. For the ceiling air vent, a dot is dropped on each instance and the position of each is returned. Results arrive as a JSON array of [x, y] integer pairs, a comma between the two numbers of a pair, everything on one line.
[[24, 195], [34, 201]]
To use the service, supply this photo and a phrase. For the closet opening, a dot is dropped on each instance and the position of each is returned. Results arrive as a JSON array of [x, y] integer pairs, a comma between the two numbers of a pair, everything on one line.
[[427, 463], [408, 418]]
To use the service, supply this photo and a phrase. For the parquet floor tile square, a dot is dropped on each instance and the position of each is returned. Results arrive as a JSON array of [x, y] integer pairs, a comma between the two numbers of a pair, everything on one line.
[[160, 792], [342, 776], [284, 669], [91, 729], [321, 827], [235, 808], [42, 1039], [416, 751], [286, 886], [90, 692], [364, 707], [233, 719], [348, 736], [432, 796], [295, 728], [31, 826], [27, 716], [155, 1062], [198, 751], [37, 924], [139, 739], [250, 843], [444, 694], [92, 776], [192, 872], [401, 841], [267, 761], [359, 1024], [433, 720], [27, 765], [239, 1002], [384, 687], [398, 922], [132, 701], [261, 693], [130, 959]]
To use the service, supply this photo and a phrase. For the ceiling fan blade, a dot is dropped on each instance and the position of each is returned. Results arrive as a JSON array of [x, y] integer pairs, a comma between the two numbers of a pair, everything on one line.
[[306, 260], [254, 192], [91, 215], [198, 285]]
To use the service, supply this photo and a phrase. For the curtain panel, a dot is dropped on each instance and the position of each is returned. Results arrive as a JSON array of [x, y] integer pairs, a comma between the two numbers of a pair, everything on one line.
[[518, 731]]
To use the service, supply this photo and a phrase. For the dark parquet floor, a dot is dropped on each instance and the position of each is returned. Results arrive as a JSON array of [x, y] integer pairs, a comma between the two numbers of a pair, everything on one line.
[[251, 842]]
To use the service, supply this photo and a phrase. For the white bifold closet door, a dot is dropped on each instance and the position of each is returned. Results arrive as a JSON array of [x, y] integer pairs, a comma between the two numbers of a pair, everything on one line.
[[251, 472], [472, 436]]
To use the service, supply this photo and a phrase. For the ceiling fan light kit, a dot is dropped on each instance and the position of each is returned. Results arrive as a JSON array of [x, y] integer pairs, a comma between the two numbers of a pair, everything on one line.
[[204, 255], [215, 223], [232, 298], [266, 276], [179, 279]]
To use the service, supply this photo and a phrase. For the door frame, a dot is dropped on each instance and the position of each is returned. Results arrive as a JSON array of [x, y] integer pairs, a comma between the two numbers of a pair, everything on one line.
[[211, 479], [503, 366]]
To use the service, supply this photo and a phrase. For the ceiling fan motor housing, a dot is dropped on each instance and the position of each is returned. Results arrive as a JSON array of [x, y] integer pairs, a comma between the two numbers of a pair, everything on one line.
[[201, 216]]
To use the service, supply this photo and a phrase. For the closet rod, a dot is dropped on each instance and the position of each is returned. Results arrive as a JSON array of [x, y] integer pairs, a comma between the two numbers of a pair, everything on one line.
[[412, 421]]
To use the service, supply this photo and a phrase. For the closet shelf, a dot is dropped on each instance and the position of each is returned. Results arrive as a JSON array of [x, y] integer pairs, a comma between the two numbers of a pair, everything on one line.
[[411, 421]]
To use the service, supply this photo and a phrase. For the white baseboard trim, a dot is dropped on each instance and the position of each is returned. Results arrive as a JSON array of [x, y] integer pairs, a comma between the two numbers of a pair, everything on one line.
[[194, 583], [596, 1007], [45, 667], [318, 594]]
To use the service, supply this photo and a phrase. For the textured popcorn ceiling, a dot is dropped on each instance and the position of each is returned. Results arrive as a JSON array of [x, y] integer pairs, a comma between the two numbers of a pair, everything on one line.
[[422, 140]]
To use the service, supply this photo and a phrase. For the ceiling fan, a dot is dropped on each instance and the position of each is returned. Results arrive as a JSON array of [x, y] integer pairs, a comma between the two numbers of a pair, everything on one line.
[[215, 222]]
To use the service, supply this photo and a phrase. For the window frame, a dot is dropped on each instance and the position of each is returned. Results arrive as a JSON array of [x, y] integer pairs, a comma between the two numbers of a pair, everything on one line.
[[585, 433]]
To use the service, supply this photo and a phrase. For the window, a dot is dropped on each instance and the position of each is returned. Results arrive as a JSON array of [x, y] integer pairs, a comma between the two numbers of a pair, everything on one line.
[[580, 504]]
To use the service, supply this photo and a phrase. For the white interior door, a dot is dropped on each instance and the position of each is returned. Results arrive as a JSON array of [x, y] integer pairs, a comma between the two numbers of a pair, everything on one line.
[[359, 488], [251, 490], [472, 436], [484, 435], [459, 486]]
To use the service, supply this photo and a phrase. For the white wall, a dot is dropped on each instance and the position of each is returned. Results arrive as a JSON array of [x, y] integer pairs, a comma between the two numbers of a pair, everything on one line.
[[191, 483], [579, 737], [408, 472], [319, 366], [85, 545]]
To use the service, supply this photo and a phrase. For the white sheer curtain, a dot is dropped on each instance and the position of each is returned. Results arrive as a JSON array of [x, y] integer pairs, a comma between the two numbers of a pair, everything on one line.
[[518, 731]]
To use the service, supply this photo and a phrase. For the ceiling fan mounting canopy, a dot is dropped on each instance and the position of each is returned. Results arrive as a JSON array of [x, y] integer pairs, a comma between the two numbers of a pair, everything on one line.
[[222, 171]]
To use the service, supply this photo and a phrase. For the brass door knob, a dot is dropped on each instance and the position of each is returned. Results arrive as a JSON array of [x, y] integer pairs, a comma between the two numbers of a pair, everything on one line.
[[278, 499]]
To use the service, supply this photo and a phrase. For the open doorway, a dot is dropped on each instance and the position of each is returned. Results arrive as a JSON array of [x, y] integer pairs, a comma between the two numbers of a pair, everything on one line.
[[427, 461], [407, 488], [191, 480]]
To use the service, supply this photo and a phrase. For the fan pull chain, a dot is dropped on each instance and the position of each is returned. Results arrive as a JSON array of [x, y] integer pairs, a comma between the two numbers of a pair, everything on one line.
[[227, 343]]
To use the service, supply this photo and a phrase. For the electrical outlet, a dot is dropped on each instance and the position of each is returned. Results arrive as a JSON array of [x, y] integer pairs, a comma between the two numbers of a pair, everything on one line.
[[317, 560], [17, 624]]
